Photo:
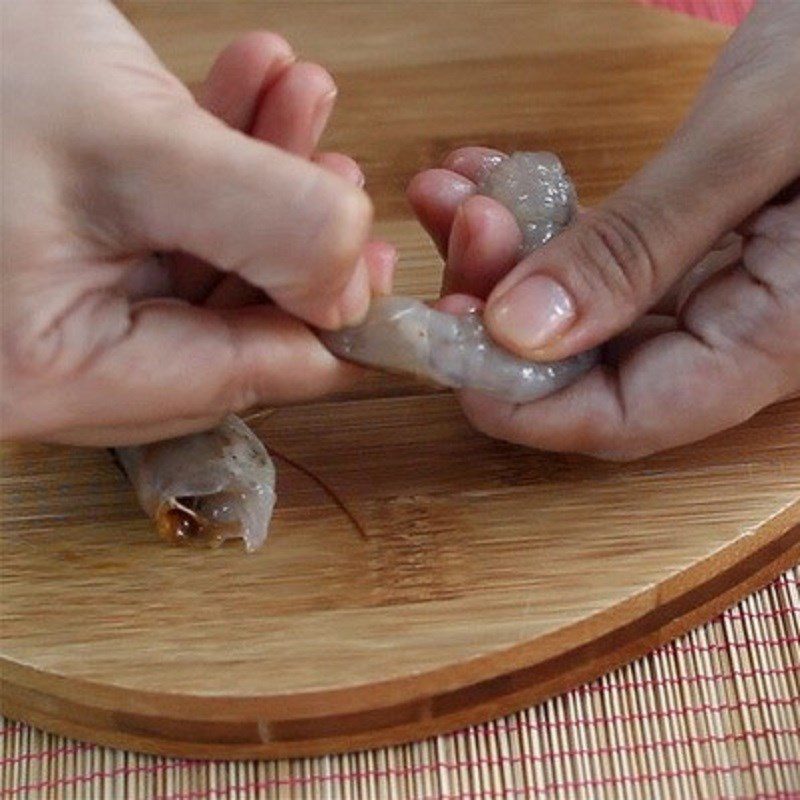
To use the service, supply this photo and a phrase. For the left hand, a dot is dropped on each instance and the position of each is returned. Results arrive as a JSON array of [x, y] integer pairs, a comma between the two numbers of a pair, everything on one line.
[[144, 229]]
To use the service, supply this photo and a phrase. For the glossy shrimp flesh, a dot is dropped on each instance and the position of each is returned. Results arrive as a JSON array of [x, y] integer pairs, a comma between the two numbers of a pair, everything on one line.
[[404, 335]]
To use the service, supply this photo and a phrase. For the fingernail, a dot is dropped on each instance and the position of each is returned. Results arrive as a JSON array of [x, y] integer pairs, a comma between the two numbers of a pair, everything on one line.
[[354, 302], [457, 247], [382, 275], [322, 113], [532, 314], [460, 236]]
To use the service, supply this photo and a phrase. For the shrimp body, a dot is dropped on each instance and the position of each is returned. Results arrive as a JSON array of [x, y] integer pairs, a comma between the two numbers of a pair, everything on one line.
[[205, 488], [535, 188], [404, 335]]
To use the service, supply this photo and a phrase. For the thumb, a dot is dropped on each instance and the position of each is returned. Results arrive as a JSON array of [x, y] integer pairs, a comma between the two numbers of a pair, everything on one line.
[[282, 223], [588, 284], [603, 272]]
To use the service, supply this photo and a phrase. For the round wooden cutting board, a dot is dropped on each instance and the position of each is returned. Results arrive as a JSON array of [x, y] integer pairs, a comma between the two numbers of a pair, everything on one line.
[[418, 576]]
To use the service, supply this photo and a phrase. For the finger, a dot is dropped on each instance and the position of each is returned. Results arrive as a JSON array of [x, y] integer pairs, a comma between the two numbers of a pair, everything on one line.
[[435, 195], [235, 292], [738, 350], [381, 260], [485, 243], [242, 74], [735, 151], [178, 366], [294, 112], [283, 224], [458, 304], [122, 435], [236, 83], [473, 163], [341, 165]]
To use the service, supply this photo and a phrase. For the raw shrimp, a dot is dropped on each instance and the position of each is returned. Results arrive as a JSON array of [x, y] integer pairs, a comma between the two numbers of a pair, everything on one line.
[[535, 188], [404, 335], [205, 488]]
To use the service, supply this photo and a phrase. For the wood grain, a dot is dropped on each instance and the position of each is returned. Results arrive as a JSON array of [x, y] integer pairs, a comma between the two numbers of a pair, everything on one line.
[[490, 576]]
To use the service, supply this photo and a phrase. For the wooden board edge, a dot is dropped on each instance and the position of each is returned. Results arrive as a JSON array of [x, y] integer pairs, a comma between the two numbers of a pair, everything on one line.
[[473, 704], [403, 692]]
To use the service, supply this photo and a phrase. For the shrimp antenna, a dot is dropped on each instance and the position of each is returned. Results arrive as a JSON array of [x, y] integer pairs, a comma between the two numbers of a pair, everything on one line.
[[327, 488], [332, 494]]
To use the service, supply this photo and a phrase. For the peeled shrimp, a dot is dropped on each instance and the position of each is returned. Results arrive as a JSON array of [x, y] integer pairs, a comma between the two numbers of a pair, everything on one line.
[[205, 488], [404, 335]]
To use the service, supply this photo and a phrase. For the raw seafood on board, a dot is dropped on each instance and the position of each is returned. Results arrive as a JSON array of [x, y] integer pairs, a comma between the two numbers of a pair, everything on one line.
[[206, 488]]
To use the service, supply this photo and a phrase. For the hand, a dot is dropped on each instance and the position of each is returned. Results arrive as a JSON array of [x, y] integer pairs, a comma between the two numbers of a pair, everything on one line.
[[108, 160], [697, 350]]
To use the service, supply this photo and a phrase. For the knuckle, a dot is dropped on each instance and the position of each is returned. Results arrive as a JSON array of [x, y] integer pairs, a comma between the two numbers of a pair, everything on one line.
[[615, 247], [339, 231]]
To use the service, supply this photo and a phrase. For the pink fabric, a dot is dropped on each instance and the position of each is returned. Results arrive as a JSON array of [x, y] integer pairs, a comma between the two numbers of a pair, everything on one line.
[[728, 12]]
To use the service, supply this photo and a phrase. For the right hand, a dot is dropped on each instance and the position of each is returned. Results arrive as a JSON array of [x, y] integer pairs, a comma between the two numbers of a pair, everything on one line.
[[138, 224], [695, 351]]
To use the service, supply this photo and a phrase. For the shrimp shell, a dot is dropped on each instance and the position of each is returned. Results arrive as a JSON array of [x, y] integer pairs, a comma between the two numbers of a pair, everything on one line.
[[404, 335], [205, 488]]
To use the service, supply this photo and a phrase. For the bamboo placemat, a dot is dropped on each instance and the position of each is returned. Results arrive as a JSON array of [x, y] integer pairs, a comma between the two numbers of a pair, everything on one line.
[[715, 714]]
